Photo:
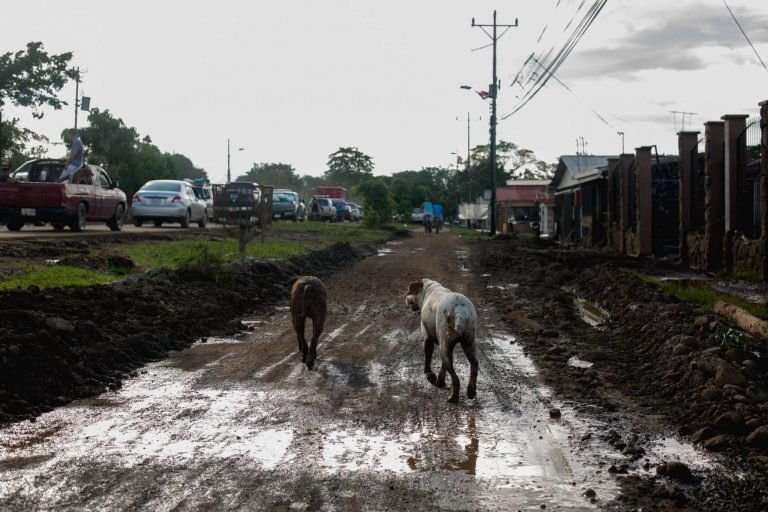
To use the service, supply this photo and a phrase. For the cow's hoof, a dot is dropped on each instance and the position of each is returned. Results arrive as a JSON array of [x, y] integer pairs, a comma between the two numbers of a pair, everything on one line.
[[310, 364], [432, 378], [440, 383], [453, 399], [471, 391]]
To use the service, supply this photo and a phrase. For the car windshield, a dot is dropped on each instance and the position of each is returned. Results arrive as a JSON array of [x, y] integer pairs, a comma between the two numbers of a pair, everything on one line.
[[161, 186]]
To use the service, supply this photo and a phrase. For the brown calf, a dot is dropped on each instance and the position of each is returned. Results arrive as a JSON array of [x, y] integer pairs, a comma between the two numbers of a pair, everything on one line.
[[308, 300]]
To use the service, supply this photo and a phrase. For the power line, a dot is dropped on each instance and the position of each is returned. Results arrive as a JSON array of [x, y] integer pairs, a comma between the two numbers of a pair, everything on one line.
[[745, 35], [561, 55]]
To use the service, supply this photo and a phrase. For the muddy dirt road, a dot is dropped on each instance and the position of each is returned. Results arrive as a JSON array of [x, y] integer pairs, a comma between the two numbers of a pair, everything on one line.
[[240, 424]]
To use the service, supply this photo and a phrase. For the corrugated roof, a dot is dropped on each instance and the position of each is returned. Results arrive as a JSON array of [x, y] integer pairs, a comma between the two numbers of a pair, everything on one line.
[[520, 193], [572, 167]]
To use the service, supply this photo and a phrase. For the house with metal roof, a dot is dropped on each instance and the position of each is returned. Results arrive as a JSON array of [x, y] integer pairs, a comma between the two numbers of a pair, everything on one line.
[[517, 203], [580, 191]]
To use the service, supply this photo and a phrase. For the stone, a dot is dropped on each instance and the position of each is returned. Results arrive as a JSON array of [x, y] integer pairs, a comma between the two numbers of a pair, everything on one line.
[[554, 350], [711, 394], [718, 443], [727, 374], [680, 349], [758, 438], [590, 493], [59, 324], [675, 470], [730, 423], [554, 413], [703, 434], [690, 341], [757, 394], [734, 354], [701, 321], [550, 333]]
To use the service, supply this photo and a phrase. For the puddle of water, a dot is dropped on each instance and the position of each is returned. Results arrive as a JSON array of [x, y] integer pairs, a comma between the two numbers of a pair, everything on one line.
[[485, 275], [213, 340], [591, 313], [52, 262], [508, 286], [384, 252], [579, 363]]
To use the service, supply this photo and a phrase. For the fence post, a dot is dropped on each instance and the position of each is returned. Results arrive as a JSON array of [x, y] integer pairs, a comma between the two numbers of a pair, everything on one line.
[[687, 143], [626, 166], [764, 185], [714, 221], [734, 127], [644, 201]]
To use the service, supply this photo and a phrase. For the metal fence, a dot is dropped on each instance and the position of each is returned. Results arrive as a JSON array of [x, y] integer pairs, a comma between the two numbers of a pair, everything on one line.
[[242, 204]]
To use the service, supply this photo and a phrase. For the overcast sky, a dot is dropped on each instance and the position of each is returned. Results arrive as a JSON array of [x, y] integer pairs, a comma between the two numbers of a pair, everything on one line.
[[292, 80]]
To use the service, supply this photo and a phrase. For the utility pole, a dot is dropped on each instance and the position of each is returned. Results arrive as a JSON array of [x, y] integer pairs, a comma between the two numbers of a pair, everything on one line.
[[622, 141], [229, 176], [494, 93], [77, 93]]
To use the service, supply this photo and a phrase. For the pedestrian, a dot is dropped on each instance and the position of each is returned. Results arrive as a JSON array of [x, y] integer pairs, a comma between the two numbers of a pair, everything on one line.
[[5, 173], [75, 160], [300, 212]]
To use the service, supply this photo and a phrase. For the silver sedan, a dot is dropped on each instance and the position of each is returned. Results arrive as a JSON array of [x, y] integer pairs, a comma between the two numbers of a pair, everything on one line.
[[168, 201]]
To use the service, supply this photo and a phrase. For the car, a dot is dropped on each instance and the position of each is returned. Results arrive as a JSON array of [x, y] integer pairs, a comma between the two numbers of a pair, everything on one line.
[[162, 201], [321, 208], [343, 210], [283, 206], [417, 216], [295, 197], [354, 211], [37, 197]]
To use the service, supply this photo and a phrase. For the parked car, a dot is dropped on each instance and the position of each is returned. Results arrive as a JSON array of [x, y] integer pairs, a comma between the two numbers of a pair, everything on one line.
[[283, 206], [343, 211], [162, 201], [354, 211], [39, 197], [321, 208], [417, 216], [295, 197]]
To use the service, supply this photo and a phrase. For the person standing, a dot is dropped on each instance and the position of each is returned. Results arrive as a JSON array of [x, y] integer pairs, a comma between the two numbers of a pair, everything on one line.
[[75, 160], [5, 173], [437, 210]]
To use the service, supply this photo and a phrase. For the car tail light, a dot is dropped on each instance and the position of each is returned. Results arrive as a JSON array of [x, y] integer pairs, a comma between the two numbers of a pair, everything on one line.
[[136, 198], [176, 199]]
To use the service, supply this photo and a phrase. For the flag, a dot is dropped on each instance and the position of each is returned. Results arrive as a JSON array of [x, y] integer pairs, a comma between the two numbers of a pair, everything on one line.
[[483, 94], [459, 160]]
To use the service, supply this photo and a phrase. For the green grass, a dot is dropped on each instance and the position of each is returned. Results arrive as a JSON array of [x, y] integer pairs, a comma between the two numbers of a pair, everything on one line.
[[469, 234], [56, 276], [704, 296]]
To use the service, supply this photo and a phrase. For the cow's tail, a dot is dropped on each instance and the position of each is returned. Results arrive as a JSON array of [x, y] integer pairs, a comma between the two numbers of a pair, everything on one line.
[[455, 325]]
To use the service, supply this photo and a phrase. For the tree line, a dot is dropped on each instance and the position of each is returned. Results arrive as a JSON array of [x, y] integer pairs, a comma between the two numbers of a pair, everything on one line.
[[32, 78]]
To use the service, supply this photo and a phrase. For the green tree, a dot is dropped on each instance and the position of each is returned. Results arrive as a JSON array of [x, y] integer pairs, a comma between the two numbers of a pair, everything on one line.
[[348, 166], [278, 175], [29, 78], [186, 169], [378, 203]]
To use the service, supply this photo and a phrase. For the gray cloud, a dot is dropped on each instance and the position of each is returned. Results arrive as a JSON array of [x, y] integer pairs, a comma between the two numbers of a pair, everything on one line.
[[672, 43]]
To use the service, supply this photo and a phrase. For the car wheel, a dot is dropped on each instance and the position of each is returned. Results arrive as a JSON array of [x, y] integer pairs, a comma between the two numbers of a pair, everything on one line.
[[185, 220], [204, 221], [116, 223], [137, 221], [78, 221], [15, 225], [58, 226], [158, 223]]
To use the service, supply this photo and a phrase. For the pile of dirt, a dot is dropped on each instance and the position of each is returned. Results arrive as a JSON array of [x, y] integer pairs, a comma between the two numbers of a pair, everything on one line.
[[63, 344], [641, 354]]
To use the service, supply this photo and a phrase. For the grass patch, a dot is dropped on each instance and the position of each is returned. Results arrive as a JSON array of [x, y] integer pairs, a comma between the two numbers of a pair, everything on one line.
[[468, 233], [703, 295], [57, 276]]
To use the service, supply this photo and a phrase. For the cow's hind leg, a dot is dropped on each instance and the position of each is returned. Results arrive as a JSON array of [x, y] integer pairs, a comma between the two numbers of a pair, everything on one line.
[[299, 326], [317, 328], [469, 351]]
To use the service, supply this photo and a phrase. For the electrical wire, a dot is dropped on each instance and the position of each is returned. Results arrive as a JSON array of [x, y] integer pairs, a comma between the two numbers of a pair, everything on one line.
[[745, 35]]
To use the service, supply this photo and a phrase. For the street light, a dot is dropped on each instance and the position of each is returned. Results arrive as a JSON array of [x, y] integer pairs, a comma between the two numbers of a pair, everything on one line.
[[467, 87], [622, 141], [229, 175]]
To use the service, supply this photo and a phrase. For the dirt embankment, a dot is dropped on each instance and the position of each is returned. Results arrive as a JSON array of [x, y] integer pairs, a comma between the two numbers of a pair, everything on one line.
[[655, 361], [63, 344]]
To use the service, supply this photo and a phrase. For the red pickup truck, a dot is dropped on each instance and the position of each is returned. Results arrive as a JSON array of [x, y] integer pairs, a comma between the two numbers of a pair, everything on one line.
[[34, 195]]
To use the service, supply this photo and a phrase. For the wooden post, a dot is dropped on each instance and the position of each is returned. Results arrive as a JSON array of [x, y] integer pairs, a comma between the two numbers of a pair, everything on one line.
[[644, 201]]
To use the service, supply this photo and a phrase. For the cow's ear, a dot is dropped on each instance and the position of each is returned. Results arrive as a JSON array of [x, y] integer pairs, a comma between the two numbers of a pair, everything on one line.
[[415, 287], [294, 279]]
